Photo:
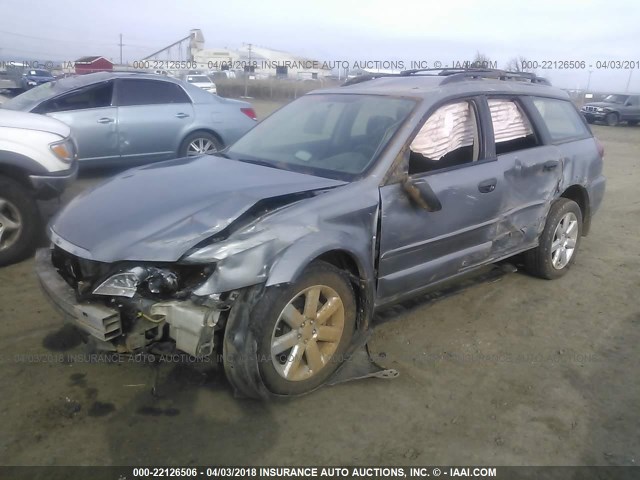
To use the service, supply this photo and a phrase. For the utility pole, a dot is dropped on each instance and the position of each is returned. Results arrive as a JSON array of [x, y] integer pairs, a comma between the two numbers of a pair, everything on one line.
[[589, 80], [628, 81], [120, 49], [247, 72]]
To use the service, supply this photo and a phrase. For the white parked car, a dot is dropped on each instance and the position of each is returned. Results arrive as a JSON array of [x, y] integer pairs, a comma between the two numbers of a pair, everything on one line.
[[202, 81], [38, 159]]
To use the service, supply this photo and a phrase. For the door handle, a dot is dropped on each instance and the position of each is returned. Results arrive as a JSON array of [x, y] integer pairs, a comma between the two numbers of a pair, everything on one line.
[[182, 115], [105, 120], [550, 165], [487, 186]]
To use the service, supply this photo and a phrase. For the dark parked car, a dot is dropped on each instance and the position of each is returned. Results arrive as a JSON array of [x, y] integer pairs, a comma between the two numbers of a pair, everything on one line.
[[614, 109], [133, 117], [33, 78], [279, 250]]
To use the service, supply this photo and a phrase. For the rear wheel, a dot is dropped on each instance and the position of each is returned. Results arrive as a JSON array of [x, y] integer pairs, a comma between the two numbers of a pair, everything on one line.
[[199, 143], [633, 123], [559, 241], [19, 221], [612, 119], [302, 330]]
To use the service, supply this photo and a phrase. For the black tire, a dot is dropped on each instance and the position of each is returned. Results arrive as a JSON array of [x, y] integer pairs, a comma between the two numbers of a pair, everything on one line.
[[538, 261], [262, 321], [183, 151], [19, 199], [632, 123], [590, 120], [612, 119]]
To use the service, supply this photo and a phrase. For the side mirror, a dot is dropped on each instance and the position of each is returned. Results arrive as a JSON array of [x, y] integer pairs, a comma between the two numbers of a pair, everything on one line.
[[421, 193]]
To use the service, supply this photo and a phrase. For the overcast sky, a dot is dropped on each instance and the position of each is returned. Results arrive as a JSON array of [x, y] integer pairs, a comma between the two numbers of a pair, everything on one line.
[[337, 30]]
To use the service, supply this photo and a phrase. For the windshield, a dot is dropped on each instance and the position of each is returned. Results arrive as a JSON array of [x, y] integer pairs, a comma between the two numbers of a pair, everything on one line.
[[335, 136], [28, 99], [616, 98], [198, 79], [39, 73]]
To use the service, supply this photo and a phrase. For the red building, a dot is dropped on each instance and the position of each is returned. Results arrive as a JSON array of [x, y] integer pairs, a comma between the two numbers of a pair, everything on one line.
[[92, 64]]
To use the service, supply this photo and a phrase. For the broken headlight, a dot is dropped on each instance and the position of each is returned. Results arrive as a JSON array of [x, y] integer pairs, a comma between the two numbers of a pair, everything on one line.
[[125, 284]]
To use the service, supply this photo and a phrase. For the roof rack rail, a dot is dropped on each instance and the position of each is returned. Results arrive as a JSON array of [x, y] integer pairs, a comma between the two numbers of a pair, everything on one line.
[[461, 75], [367, 77], [455, 75]]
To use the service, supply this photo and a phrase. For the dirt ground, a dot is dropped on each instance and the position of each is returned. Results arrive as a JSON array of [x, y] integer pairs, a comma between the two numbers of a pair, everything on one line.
[[519, 371]]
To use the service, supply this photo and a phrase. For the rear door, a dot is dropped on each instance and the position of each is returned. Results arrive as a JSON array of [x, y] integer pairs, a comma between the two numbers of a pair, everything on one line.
[[93, 119], [419, 248], [153, 118], [532, 172]]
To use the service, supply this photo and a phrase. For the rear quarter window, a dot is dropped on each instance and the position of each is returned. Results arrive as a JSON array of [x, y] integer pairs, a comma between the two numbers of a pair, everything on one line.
[[562, 119]]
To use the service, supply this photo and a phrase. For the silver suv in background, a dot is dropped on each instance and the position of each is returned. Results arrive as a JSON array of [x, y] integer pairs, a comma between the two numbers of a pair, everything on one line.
[[37, 161], [613, 109], [127, 118], [279, 249]]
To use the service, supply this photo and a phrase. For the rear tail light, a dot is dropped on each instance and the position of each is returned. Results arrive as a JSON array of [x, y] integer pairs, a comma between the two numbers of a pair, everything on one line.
[[249, 112], [600, 148]]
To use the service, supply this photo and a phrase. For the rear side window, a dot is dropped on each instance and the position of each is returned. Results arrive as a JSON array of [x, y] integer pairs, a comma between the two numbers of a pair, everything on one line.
[[149, 92], [562, 119], [511, 128]]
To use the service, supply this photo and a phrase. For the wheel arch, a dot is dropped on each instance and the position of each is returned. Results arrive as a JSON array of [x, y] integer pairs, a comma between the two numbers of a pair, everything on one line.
[[340, 257], [15, 173], [579, 194]]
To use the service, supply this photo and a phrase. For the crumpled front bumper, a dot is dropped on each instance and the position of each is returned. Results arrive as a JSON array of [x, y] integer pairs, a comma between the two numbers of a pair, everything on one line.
[[191, 326], [96, 319]]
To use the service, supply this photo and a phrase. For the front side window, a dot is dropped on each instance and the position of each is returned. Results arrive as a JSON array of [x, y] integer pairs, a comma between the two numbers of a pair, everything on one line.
[[620, 99], [562, 119], [511, 128], [448, 138], [149, 92], [95, 96], [332, 135]]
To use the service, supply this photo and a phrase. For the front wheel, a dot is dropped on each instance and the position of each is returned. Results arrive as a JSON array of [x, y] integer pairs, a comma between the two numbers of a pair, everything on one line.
[[19, 221], [301, 332], [612, 119], [559, 241]]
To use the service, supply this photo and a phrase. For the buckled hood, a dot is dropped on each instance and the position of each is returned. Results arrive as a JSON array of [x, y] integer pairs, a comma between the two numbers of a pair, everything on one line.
[[158, 212]]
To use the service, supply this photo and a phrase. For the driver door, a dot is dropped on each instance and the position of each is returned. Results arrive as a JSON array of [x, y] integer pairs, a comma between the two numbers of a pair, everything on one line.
[[92, 118], [448, 159]]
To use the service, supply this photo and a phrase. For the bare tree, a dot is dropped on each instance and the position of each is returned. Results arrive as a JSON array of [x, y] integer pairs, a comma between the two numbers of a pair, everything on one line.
[[481, 61], [518, 64]]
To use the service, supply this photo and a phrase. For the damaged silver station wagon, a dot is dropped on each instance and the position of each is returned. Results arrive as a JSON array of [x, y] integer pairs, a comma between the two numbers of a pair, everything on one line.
[[276, 251]]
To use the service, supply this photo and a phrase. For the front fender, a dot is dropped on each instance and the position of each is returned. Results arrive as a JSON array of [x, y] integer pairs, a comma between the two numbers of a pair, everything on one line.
[[282, 259], [290, 264]]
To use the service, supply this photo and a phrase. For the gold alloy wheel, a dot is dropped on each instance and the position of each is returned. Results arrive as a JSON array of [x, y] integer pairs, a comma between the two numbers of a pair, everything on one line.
[[307, 333]]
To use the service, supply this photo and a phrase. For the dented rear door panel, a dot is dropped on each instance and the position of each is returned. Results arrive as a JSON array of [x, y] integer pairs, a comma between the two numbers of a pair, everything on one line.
[[532, 179]]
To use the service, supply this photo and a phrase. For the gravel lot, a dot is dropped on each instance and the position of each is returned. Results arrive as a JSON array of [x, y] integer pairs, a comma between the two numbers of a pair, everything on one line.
[[519, 371]]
